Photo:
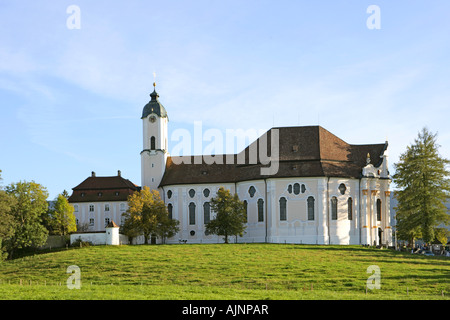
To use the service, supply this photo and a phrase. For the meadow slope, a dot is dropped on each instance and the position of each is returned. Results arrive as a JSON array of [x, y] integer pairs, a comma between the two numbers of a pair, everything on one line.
[[219, 271]]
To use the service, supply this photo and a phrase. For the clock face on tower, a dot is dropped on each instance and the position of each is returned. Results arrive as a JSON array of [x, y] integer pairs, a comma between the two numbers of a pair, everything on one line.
[[152, 119]]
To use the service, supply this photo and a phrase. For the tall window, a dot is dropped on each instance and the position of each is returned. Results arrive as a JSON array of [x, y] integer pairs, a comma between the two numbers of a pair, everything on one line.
[[152, 143], [170, 210], [191, 213], [260, 210], [91, 208], [350, 208], [310, 208], [378, 210], [75, 207], [246, 210], [283, 209], [107, 221], [206, 212], [334, 208], [106, 207]]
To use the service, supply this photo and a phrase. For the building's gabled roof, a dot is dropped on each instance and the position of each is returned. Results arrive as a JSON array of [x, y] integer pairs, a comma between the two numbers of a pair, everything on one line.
[[93, 188], [310, 151]]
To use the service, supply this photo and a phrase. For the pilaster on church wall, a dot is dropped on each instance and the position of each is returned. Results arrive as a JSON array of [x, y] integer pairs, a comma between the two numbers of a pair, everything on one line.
[[365, 211], [273, 213], [322, 214]]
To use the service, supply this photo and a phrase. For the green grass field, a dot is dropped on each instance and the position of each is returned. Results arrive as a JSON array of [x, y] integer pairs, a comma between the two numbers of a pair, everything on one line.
[[231, 272]]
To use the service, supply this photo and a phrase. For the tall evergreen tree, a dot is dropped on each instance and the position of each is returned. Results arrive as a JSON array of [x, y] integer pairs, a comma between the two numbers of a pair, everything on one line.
[[230, 215], [422, 177]]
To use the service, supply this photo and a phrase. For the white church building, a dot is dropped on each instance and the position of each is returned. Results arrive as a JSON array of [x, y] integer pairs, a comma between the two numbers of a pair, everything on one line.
[[299, 185]]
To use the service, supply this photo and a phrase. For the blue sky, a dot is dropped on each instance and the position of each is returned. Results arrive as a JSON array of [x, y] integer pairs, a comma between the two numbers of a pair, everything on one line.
[[71, 99]]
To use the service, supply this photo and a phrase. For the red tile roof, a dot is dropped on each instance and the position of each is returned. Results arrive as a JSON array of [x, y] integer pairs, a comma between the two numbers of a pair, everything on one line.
[[94, 188], [310, 151]]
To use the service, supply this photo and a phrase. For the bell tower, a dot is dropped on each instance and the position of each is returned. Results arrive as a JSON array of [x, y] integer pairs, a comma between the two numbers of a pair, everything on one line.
[[155, 148]]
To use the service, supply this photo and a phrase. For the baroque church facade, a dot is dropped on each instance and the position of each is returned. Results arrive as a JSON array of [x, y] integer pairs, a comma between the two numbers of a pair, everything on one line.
[[298, 184]]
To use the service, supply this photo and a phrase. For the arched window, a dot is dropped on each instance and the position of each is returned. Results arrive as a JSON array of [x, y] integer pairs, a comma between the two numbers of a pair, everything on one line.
[[310, 201], [246, 210], [170, 210], [334, 208], [191, 213], [152, 143], [169, 194], [206, 192], [206, 212], [260, 210], [350, 208], [283, 209], [378, 210], [191, 193], [122, 207]]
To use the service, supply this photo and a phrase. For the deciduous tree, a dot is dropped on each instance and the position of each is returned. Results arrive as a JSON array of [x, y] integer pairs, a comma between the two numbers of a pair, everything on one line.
[[62, 219], [230, 216], [147, 215], [30, 205]]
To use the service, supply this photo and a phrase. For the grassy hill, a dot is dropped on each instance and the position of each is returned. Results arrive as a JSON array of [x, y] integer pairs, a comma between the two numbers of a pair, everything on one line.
[[219, 271]]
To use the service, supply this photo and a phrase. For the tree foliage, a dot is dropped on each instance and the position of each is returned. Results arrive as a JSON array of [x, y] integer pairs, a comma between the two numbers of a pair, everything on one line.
[[148, 215], [28, 209], [422, 178], [62, 219], [7, 223], [230, 215]]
